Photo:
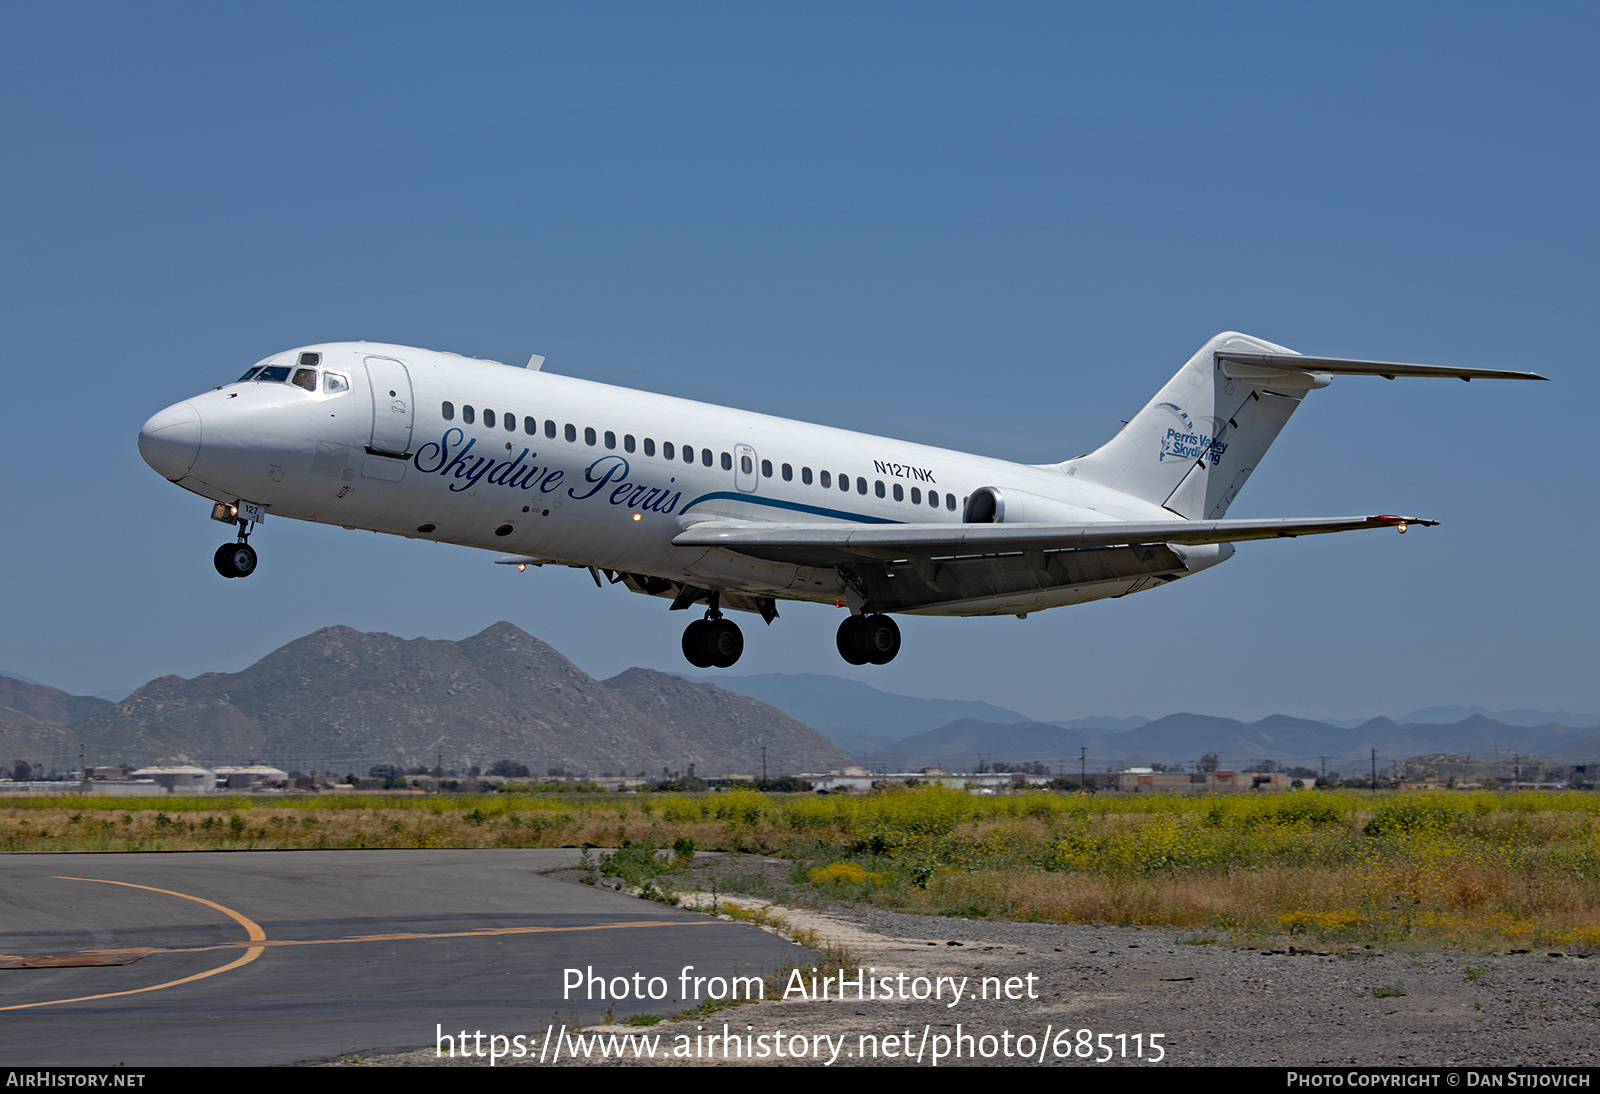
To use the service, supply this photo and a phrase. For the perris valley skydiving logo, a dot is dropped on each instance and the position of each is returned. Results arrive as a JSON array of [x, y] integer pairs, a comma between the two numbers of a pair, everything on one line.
[[1188, 443]]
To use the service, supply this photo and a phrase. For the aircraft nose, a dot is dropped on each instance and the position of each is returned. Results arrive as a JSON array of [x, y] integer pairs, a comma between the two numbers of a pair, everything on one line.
[[170, 441]]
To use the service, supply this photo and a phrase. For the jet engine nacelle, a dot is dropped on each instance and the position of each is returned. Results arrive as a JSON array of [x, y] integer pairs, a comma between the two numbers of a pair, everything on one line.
[[992, 505]]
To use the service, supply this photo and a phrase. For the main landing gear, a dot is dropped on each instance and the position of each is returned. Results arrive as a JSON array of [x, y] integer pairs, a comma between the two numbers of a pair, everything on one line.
[[712, 642], [865, 639]]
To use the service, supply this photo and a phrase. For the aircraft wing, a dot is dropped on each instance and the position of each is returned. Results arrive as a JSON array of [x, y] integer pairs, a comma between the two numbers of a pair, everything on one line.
[[836, 544]]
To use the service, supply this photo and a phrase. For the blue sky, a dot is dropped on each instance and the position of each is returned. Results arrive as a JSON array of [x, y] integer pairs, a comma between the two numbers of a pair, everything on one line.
[[992, 227]]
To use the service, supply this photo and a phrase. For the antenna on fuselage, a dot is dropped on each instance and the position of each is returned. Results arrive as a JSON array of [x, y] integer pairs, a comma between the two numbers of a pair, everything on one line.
[[535, 362]]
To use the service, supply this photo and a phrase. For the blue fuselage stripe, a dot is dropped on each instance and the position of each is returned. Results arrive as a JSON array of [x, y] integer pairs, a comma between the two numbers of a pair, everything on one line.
[[793, 506]]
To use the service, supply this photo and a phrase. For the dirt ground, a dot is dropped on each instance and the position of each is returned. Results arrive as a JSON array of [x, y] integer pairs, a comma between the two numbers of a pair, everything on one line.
[[1105, 996]]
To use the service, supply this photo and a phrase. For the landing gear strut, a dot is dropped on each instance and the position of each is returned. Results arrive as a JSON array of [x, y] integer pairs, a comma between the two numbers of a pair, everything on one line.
[[712, 642], [236, 559], [869, 639]]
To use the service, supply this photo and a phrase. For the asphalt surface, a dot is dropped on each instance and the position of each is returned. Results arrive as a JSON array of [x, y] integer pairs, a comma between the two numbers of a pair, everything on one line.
[[251, 958]]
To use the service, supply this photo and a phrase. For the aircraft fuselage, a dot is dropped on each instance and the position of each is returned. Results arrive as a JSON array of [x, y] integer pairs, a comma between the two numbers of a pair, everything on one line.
[[565, 470], [701, 503]]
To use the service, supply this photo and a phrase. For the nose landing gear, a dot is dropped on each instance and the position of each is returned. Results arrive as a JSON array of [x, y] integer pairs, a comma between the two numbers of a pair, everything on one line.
[[869, 639], [237, 559]]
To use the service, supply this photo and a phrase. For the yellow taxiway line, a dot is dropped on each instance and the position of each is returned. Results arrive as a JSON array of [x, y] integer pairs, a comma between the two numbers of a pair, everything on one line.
[[253, 929], [258, 942]]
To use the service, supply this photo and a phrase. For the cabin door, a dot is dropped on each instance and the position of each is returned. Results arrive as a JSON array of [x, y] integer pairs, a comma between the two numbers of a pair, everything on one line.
[[391, 406]]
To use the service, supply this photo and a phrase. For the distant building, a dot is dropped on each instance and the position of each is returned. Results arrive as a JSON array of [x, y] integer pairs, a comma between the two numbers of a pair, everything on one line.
[[180, 779], [253, 777]]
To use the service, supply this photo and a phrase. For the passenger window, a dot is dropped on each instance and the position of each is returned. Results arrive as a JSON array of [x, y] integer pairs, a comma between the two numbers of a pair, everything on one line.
[[509, 420], [826, 480], [449, 411], [650, 447], [466, 414], [950, 502], [572, 433], [611, 439], [333, 383], [933, 498], [805, 476], [688, 454], [844, 483], [588, 435], [627, 442], [530, 426], [666, 449], [766, 466], [788, 473], [727, 462], [899, 494], [916, 495], [488, 418], [861, 487], [550, 430]]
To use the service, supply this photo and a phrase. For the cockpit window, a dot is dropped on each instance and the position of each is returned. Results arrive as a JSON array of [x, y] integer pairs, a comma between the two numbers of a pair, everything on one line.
[[333, 383], [249, 374], [274, 374], [310, 359], [305, 377]]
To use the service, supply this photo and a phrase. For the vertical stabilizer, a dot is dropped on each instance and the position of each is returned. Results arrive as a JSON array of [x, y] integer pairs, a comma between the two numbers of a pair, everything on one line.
[[1192, 446]]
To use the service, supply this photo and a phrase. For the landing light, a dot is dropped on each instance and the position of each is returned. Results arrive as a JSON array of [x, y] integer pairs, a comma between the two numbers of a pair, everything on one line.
[[224, 512], [638, 516], [522, 567]]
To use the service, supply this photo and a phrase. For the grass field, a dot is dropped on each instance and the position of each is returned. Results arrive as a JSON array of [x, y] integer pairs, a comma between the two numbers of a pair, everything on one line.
[[1469, 869]]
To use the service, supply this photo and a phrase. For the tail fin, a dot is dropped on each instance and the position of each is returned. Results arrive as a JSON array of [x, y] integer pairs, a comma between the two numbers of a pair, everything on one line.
[[1192, 446]]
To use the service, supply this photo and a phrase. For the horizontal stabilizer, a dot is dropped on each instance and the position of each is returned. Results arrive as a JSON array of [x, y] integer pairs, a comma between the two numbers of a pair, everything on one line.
[[1342, 366]]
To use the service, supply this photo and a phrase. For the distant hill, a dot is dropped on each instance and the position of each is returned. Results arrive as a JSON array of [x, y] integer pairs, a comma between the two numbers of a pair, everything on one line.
[[341, 699], [19, 676], [843, 709], [1449, 715], [25, 703], [1186, 737]]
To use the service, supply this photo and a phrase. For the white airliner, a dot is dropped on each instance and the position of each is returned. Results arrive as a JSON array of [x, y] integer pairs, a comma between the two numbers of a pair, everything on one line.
[[700, 503]]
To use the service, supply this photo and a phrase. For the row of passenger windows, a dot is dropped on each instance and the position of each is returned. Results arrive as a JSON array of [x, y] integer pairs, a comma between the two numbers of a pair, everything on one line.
[[508, 421]]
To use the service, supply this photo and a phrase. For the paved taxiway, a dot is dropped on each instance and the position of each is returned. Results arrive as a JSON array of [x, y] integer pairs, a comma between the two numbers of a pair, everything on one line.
[[274, 957]]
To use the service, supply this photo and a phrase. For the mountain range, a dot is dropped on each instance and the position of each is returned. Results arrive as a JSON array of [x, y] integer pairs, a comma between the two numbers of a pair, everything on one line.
[[340, 700]]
